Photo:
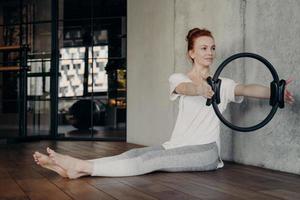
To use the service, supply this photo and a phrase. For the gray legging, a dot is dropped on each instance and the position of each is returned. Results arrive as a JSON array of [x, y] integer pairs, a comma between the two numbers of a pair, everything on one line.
[[148, 159]]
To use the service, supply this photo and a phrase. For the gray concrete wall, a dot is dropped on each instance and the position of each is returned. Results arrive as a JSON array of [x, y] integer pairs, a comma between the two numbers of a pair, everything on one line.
[[150, 54], [272, 29], [157, 48]]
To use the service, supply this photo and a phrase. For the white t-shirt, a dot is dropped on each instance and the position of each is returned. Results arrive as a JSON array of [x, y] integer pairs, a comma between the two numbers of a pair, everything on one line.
[[197, 123]]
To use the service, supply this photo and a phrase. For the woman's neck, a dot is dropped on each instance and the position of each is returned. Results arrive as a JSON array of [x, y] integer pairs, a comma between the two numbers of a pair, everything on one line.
[[199, 71]]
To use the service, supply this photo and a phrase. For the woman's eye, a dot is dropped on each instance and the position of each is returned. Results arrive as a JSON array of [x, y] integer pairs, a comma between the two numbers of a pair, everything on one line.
[[203, 48], [214, 48]]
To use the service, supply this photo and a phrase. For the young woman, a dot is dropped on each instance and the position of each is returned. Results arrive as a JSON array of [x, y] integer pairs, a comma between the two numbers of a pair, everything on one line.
[[195, 141]]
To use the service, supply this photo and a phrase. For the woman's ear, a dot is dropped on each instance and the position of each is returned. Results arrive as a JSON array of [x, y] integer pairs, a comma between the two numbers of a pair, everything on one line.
[[191, 54]]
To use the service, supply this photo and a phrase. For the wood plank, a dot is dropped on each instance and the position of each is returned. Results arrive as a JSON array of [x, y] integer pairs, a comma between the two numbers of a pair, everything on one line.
[[9, 188], [286, 178], [121, 191], [36, 186], [224, 184], [283, 194], [240, 176], [155, 189], [76, 189], [184, 185]]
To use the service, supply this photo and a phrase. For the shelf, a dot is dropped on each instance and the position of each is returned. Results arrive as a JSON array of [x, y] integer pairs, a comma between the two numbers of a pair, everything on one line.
[[10, 68], [10, 48]]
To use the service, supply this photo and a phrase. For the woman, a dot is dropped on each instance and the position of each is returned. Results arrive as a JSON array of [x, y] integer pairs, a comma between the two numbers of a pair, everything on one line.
[[195, 141]]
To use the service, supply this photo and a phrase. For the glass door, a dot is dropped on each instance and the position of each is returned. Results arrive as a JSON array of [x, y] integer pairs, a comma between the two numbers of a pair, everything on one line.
[[25, 52], [92, 68]]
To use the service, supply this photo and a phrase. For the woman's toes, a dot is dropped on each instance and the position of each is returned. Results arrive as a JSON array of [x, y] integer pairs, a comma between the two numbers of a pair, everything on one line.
[[50, 151], [36, 161], [35, 157], [38, 154]]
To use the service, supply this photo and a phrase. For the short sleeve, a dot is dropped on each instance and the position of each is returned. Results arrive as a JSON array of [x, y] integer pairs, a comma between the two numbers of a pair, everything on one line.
[[174, 81], [227, 90]]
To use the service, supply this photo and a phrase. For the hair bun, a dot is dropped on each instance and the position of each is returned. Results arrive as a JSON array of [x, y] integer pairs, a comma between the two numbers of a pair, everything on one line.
[[192, 32]]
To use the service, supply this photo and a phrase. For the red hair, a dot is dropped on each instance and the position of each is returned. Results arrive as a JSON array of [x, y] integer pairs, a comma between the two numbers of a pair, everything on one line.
[[194, 34]]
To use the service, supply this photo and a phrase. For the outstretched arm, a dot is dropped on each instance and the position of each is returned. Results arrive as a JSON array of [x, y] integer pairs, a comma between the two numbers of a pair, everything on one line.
[[191, 89], [261, 92]]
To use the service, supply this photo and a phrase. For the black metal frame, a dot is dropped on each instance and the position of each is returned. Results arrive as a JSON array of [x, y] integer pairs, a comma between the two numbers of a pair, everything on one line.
[[54, 68], [54, 77]]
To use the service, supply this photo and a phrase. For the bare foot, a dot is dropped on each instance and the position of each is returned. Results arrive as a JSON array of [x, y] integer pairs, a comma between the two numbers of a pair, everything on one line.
[[44, 161], [74, 167]]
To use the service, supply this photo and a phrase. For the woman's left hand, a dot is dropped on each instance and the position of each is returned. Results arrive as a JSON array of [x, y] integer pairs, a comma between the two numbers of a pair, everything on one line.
[[288, 96]]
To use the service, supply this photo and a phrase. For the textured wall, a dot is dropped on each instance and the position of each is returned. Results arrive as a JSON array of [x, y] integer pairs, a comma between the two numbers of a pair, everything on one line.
[[269, 28], [150, 60], [272, 29]]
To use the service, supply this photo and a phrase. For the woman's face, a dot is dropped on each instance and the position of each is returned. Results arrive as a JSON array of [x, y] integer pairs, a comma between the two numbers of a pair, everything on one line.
[[204, 51]]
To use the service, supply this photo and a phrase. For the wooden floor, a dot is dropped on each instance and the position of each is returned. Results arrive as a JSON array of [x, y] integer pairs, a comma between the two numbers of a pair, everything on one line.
[[20, 178]]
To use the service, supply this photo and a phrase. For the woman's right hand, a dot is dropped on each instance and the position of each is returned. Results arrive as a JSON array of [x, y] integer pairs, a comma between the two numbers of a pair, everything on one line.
[[205, 90]]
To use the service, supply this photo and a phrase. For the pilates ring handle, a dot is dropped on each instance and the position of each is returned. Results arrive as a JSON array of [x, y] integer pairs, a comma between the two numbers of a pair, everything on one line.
[[276, 86]]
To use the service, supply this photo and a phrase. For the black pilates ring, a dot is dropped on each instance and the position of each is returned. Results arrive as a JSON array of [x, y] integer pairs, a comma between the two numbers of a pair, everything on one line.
[[276, 86]]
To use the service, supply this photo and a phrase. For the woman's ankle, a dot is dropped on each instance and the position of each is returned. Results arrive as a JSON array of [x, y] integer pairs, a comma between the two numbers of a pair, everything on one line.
[[86, 167]]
